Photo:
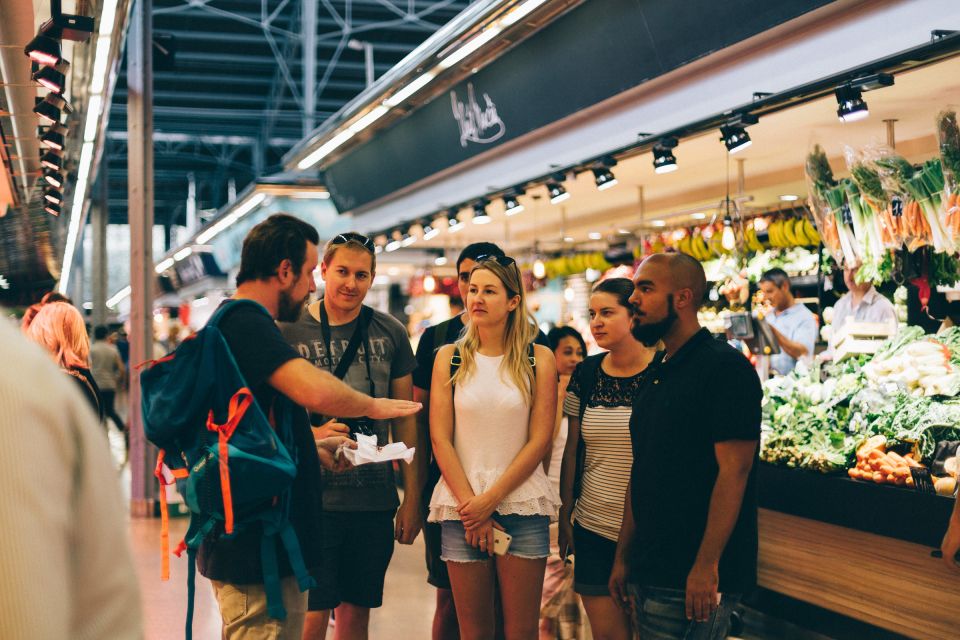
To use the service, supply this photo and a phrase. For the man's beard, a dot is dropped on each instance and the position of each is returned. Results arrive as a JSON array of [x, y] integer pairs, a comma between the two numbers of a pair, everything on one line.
[[288, 309], [650, 334]]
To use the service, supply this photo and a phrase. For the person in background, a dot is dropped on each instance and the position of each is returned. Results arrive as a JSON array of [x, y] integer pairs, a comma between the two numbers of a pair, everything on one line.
[[359, 505], [687, 550], [597, 456], [66, 570], [569, 350], [793, 325], [504, 408], [447, 332], [950, 547], [861, 303], [277, 262], [108, 371], [59, 328], [28, 315]]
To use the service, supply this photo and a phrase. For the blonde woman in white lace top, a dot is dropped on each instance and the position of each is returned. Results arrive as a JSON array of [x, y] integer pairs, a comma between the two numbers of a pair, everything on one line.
[[491, 426]]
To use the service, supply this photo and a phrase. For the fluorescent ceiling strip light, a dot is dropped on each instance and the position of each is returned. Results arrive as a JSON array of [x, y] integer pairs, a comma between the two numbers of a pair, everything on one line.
[[325, 149], [73, 232], [93, 118], [430, 235], [470, 47], [183, 253], [100, 63], [119, 296], [364, 122], [164, 265], [520, 12], [209, 234], [422, 81], [107, 17]]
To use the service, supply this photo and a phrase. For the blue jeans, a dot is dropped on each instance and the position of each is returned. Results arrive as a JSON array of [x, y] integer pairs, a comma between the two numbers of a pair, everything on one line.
[[660, 614]]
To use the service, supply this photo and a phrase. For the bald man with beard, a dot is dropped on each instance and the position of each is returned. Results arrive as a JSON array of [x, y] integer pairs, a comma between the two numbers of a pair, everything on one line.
[[687, 551]]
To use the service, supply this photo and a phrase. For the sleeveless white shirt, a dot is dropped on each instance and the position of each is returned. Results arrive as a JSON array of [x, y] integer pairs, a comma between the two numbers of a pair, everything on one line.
[[491, 426]]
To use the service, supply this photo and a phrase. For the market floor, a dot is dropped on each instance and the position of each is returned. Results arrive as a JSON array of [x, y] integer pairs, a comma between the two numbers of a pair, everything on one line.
[[407, 602]]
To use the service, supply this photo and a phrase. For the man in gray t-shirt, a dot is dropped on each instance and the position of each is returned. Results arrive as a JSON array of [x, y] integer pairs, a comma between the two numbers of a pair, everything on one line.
[[359, 505]]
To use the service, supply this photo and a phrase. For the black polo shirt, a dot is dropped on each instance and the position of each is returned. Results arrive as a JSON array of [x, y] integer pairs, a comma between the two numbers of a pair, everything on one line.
[[707, 392]]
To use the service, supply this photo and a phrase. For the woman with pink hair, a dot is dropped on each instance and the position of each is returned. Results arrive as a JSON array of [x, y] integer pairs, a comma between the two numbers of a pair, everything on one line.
[[59, 328]]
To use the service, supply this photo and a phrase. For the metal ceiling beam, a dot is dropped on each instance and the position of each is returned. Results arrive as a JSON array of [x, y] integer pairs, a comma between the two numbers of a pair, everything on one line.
[[241, 60], [187, 35], [216, 98], [215, 78], [308, 27], [160, 136]]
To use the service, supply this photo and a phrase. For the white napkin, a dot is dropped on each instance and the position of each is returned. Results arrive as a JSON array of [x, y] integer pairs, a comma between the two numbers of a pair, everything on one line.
[[367, 451]]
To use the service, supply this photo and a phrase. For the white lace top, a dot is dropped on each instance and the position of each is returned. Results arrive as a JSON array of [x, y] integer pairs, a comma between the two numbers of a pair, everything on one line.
[[490, 428]]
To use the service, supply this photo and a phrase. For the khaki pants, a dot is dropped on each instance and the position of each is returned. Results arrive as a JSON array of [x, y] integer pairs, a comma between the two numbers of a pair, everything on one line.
[[243, 608]]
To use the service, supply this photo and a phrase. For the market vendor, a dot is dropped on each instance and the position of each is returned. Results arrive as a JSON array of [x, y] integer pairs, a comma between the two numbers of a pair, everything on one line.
[[793, 325], [861, 303]]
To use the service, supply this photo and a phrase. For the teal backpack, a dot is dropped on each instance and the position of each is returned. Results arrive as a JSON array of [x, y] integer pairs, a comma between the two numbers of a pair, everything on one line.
[[233, 461]]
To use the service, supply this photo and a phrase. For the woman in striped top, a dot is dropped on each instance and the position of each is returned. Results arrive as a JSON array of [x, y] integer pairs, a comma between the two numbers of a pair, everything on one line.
[[597, 457]]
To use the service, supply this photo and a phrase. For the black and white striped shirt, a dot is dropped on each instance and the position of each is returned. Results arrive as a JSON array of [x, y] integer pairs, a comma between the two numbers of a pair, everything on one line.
[[606, 435]]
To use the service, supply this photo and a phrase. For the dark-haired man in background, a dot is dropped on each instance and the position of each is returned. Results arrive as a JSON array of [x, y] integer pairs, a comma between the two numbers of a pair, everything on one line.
[[277, 263], [688, 548], [793, 325]]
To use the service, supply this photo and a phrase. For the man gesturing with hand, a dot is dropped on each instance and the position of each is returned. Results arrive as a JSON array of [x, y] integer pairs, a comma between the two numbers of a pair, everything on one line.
[[687, 550]]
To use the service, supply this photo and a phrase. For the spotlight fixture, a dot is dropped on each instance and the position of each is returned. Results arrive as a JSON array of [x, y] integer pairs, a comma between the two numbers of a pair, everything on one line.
[[603, 176], [539, 269], [850, 104], [453, 223], [53, 178], [663, 159], [480, 215], [52, 209], [52, 160], [511, 203], [47, 111], [58, 101], [407, 239], [43, 50], [556, 190], [53, 78], [53, 196], [429, 283], [430, 232], [735, 137], [54, 138], [396, 241]]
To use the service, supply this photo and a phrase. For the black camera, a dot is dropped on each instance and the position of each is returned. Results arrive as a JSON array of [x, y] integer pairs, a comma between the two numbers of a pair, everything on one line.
[[363, 426]]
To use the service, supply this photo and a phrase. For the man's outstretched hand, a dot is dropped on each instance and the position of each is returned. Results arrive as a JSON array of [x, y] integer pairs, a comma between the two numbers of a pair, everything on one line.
[[386, 408]]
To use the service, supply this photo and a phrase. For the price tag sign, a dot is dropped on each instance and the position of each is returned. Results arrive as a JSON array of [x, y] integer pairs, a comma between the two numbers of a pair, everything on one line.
[[896, 206]]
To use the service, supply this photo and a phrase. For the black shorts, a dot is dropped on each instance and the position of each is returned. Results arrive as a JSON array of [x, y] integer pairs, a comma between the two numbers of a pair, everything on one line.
[[437, 575], [357, 547], [593, 562]]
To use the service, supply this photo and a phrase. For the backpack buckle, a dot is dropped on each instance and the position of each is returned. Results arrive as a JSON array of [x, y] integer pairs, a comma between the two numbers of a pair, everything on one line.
[[456, 360]]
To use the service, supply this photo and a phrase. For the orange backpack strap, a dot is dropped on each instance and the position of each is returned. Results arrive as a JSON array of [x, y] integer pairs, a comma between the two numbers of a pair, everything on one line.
[[239, 404], [164, 519]]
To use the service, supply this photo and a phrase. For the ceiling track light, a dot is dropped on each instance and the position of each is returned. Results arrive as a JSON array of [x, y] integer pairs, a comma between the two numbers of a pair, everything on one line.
[[53, 78], [556, 190], [52, 209], [52, 160], [53, 140], [511, 202], [480, 215], [396, 241], [43, 50], [453, 222], [53, 178], [850, 104], [58, 101], [602, 175], [663, 158], [54, 196], [48, 112], [67, 26], [429, 231], [734, 133]]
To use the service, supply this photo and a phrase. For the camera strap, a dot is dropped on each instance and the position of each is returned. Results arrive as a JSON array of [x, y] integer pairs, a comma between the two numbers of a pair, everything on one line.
[[360, 334]]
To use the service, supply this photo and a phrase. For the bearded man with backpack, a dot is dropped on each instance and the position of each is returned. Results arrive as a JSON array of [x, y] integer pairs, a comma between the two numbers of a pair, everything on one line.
[[247, 565]]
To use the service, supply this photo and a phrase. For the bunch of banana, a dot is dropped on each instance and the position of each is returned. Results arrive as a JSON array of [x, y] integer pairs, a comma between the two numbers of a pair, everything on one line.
[[683, 245], [811, 233], [753, 243]]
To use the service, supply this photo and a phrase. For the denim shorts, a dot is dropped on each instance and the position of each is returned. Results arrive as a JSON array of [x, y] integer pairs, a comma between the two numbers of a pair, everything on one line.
[[660, 614], [531, 538]]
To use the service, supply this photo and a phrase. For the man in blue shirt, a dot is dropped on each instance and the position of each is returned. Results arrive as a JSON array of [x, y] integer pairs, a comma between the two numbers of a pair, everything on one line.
[[794, 326]]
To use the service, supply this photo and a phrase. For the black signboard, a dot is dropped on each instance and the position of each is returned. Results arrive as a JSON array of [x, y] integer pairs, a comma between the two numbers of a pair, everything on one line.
[[596, 51]]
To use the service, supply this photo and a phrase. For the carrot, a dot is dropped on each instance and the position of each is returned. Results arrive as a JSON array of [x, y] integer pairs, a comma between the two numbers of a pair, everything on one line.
[[910, 461], [886, 469], [877, 476], [910, 482], [891, 478], [901, 472], [873, 454], [854, 473], [901, 481], [896, 459]]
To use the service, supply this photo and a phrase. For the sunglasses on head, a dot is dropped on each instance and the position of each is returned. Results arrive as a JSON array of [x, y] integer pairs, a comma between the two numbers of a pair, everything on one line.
[[503, 261], [350, 236]]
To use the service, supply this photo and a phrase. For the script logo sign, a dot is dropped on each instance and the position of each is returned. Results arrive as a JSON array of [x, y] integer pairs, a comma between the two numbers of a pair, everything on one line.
[[480, 124]]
